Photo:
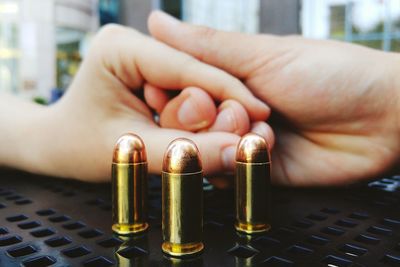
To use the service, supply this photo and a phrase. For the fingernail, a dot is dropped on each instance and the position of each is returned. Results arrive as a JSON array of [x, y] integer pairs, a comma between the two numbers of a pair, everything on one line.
[[266, 108], [189, 116], [225, 121], [167, 18], [260, 129], [228, 158]]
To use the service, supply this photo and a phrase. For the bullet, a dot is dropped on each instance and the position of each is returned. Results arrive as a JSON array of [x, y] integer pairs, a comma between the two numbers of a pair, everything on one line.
[[252, 185], [129, 185], [182, 199]]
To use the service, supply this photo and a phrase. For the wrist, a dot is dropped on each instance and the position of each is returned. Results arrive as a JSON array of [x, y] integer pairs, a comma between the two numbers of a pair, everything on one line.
[[47, 142], [34, 141], [19, 124]]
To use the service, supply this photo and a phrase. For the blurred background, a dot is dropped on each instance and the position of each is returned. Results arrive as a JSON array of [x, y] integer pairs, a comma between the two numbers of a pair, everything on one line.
[[43, 42]]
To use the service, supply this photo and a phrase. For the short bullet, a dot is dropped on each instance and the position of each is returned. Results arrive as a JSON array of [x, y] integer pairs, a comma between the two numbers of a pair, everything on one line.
[[182, 199], [252, 185], [129, 185]]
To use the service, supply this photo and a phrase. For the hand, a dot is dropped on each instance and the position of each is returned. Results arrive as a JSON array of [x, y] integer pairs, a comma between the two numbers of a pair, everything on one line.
[[75, 137], [337, 103]]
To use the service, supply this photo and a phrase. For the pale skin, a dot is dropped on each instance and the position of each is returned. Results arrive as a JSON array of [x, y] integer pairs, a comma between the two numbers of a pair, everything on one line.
[[74, 138], [338, 103]]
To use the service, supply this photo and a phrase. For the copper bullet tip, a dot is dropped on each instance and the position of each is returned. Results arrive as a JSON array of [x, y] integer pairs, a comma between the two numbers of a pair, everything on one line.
[[129, 149], [252, 148], [182, 156]]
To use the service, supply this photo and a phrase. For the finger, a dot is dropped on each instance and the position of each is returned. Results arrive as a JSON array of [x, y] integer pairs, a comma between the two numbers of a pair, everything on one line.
[[192, 110], [263, 129], [236, 53], [155, 97], [134, 58], [232, 117]]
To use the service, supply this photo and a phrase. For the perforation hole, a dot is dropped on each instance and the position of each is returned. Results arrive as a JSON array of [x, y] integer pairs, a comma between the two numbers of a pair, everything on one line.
[[58, 241], [318, 240], [379, 230], [69, 193], [43, 232], [391, 222], [377, 186], [10, 240], [396, 177], [56, 189], [132, 252], [381, 203], [60, 218], [95, 202], [3, 231], [391, 259], [277, 261], [353, 250], [29, 225], [359, 215], [45, 212], [13, 197], [21, 251], [346, 223], [242, 251], [90, 233], [333, 231], [265, 241], [17, 218], [317, 217], [6, 193], [74, 225], [41, 261], [336, 261], [76, 252], [366, 239], [2, 206], [23, 202], [387, 181], [284, 232], [300, 250], [110, 242], [303, 224], [98, 262]]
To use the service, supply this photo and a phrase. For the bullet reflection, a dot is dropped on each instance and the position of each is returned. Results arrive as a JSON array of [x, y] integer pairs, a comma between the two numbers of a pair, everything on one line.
[[134, 251], [178, 262], [243, 252]]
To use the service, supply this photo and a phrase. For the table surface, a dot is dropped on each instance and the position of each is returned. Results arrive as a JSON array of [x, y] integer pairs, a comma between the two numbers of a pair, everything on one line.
[[50, 221]]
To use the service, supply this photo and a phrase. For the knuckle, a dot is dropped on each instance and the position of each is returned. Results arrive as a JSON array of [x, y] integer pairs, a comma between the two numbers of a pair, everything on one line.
[[110, 30], [206, 32]]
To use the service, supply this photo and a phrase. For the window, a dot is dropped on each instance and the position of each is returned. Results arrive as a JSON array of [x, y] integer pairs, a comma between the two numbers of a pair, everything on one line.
[[373, 23]]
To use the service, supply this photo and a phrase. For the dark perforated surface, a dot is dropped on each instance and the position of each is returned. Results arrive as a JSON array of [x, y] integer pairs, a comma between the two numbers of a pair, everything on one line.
[[53, 222]]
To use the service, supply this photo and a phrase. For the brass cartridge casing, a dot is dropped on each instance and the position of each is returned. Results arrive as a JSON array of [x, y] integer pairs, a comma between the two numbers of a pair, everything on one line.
[[252, 185], [182, 199], [129, 185]]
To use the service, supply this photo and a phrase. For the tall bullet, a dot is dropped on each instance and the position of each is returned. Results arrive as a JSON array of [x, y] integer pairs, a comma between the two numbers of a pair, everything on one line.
[[252, 185], [129, 185], [182, 199]]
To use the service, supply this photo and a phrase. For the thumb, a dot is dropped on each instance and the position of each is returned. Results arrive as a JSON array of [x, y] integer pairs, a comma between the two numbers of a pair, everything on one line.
[[237, 53]]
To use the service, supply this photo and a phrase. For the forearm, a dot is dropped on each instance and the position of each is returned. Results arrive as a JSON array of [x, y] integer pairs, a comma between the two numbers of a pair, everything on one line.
[[22, 126]]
